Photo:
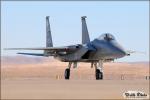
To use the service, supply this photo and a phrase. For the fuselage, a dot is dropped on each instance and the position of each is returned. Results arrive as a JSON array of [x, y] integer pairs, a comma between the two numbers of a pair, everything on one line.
[[103, 48], [107, 49]]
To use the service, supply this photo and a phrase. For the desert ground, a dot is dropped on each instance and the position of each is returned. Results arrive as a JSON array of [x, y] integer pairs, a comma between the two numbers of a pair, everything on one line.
[[42, 78]]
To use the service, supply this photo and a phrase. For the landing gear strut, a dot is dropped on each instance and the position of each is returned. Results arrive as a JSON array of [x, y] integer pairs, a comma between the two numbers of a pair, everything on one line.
[[98, 70], [98, 74], [67, 71]]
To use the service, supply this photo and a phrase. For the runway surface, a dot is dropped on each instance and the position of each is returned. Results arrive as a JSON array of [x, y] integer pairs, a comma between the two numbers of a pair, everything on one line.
[[45, 88], [43, 78]]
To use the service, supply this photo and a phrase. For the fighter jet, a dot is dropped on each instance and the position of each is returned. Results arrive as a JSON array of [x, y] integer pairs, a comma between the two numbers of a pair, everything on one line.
[[102, 49]]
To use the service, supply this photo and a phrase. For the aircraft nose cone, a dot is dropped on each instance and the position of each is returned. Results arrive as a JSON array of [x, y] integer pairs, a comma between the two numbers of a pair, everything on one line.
[[118, 49], [121, 52]]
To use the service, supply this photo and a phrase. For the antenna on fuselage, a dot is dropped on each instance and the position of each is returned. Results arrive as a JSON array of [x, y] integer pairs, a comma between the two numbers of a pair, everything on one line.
[[85, 33]]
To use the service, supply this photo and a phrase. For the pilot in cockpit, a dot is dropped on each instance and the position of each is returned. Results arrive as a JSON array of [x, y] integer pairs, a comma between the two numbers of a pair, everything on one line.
[[107, 36]]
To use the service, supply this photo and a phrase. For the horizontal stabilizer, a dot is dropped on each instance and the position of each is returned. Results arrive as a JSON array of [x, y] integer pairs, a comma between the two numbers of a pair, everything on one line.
[[34, 54]]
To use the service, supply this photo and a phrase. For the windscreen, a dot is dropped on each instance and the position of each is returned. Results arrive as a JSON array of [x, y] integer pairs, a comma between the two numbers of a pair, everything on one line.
[[107, 36]]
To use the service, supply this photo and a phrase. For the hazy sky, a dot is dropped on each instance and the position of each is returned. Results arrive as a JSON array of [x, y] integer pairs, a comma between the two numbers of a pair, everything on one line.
[[23, 24]]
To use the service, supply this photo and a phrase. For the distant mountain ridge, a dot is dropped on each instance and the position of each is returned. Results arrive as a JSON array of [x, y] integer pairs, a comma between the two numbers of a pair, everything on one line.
[[32, 60], [23, 59]]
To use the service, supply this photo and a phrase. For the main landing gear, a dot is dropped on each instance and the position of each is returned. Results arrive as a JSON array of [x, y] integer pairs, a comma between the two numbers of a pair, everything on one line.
[[67, 71], [98, 69]]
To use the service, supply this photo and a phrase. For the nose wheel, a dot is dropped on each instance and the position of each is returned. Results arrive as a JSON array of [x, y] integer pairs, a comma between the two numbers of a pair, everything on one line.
[[98, 74], [98, 70]]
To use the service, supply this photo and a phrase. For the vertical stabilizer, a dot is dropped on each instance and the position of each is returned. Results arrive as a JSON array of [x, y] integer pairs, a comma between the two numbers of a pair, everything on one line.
[[49, 42], [85, 34]]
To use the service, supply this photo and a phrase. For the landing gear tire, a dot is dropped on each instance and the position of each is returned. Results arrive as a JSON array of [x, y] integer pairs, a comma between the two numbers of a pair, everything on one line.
[[98, 74], [67, 74]]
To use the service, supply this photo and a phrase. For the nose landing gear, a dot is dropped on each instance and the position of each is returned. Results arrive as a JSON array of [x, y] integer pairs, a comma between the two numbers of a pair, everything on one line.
[[98, 74], [98, 70]]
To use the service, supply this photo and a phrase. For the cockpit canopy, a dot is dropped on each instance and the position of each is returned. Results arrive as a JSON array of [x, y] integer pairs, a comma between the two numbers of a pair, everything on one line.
[[107, 36]]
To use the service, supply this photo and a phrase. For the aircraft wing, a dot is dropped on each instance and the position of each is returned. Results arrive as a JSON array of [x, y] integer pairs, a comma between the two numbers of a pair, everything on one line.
[[45, 48], [48, 51]]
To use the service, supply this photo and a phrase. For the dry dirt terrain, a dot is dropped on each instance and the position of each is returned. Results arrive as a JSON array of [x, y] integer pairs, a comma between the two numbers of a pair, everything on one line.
[[42, 78]]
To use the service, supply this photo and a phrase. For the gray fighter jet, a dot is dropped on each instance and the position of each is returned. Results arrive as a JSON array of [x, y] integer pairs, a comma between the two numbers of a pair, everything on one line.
[[102, 49]]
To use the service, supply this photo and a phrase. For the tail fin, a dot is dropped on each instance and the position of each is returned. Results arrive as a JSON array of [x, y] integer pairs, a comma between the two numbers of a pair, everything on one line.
[[49, 42], [85, 34]]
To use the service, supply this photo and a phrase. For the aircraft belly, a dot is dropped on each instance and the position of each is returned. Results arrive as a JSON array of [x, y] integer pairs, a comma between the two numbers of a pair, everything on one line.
[[77, 56], [104, 55]]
